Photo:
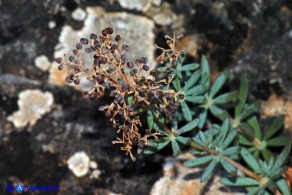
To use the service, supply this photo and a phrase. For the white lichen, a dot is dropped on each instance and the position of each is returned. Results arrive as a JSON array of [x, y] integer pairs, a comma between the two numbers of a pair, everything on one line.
[[141, 5], [79, 14], [42, 62], [32, 105], [79, 164], [52, 24], [95, 174]]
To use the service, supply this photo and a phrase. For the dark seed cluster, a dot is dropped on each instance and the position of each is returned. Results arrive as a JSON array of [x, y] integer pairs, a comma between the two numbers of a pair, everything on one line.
[[132, 93]]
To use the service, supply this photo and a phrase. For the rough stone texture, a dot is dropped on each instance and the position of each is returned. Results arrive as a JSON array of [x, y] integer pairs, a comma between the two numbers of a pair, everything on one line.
[[269, 68], [179, 180], [276, 106]]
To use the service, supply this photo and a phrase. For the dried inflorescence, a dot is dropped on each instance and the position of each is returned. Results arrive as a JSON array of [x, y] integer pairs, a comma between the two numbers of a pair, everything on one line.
[[132, 93]]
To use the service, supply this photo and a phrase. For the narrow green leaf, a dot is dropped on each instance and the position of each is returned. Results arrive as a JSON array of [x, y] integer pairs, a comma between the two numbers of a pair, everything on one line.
[[267, 154], [249, 159], [176, 84], [195, 99], [247, 131], [231, 151], [175, 147], [277, 124], [192, 80], [243, 92], [239, 181], [197, 90], [278, 141], [130, 100], [274, 174], [282, 185], [218, 112], [203, 137], [189, 67], [150, 119], [186, 111], [203, 118], [256, 154], [218, 83], [189, 126], [183, 140], [282, 157], [208, 171], [198, 161], [224, 131], [256, 191], [161, 69], [230, 137], [155, 146], [249, 109], [205, 70], [227, 166], [181, 60], [198, 140], [253, 122], [225, 98], [178, 74], [244, 141]]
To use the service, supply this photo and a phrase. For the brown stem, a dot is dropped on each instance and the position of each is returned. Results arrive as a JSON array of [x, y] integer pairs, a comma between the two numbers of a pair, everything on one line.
[[234, 163], [256, 142]]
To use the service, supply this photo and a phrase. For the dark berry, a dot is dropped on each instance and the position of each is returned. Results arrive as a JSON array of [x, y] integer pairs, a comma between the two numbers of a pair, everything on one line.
[[84, 41], [153, 72], [123, 58], [75, 52], [117, 38], [76, 81], [132, 72], [69, 79], [58, 60], [92, 96], [181, 96], [125, 47], [71, 58], [145, 67], [130, 64], [108, 113], [110, 30], [92, 49], [60, 67], [77, 70], [104, 32], [96, 43], [85, 94], [104, 60], [88, 50], [174, 62], [78, 46], [93, 36]]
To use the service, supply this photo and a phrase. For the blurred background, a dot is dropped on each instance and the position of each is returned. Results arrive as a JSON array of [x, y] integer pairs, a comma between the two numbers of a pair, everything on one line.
[[50, 135]]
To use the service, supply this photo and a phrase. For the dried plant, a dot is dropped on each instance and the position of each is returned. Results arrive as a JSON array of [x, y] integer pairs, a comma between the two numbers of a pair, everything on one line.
[[177, 108], [131, 93]]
